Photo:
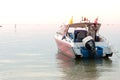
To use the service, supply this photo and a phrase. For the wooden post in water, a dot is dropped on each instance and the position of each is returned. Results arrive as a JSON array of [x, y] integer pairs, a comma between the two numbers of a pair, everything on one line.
[[15, 26]]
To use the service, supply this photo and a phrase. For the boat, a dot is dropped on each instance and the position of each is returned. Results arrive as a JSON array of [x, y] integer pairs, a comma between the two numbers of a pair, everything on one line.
[[82, 40]]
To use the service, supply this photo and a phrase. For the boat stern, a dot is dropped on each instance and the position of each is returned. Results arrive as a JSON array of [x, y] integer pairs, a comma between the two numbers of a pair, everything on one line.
[[101, 50]]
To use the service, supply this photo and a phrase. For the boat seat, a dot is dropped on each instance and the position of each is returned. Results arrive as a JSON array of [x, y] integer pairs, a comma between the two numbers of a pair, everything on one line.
[[70, 35]]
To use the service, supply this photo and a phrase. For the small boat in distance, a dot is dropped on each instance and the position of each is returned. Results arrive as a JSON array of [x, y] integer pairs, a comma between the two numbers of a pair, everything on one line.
[[82, 40]]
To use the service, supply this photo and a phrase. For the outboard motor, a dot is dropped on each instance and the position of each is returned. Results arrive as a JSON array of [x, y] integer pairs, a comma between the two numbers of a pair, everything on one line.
[[90, 45]]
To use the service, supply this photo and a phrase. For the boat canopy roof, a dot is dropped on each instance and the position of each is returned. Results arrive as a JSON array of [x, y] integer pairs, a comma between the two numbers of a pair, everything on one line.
[[83, 25], [90, 25]]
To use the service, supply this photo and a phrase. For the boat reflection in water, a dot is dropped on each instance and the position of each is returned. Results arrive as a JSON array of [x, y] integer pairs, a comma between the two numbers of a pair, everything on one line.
[[84, 68]]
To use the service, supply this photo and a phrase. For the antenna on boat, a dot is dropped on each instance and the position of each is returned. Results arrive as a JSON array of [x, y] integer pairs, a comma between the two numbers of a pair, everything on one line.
[[82, 18]]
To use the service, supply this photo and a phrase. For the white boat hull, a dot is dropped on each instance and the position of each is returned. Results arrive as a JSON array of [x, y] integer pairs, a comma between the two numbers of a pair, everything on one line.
[[75, 50], [65, 48]]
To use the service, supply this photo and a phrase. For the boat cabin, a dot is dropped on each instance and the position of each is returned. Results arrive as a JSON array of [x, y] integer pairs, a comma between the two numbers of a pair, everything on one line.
[[79, 31]]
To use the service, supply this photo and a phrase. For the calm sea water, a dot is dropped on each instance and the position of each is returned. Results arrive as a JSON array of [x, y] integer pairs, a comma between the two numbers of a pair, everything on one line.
[[29, 52]]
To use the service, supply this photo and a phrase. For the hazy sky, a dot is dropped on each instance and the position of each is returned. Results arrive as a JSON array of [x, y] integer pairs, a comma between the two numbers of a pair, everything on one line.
[[58, 11]]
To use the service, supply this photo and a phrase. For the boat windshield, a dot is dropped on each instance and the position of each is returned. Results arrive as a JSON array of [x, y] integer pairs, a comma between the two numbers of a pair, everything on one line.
[[79, 35]]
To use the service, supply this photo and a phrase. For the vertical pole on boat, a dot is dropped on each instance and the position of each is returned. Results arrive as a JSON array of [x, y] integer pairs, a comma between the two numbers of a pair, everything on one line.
[[95, 24], [71, 20], [96, 20]]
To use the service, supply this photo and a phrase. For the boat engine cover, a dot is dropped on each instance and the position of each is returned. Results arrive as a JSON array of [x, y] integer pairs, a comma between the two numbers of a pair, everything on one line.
[[86, 39], [89, 44]]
